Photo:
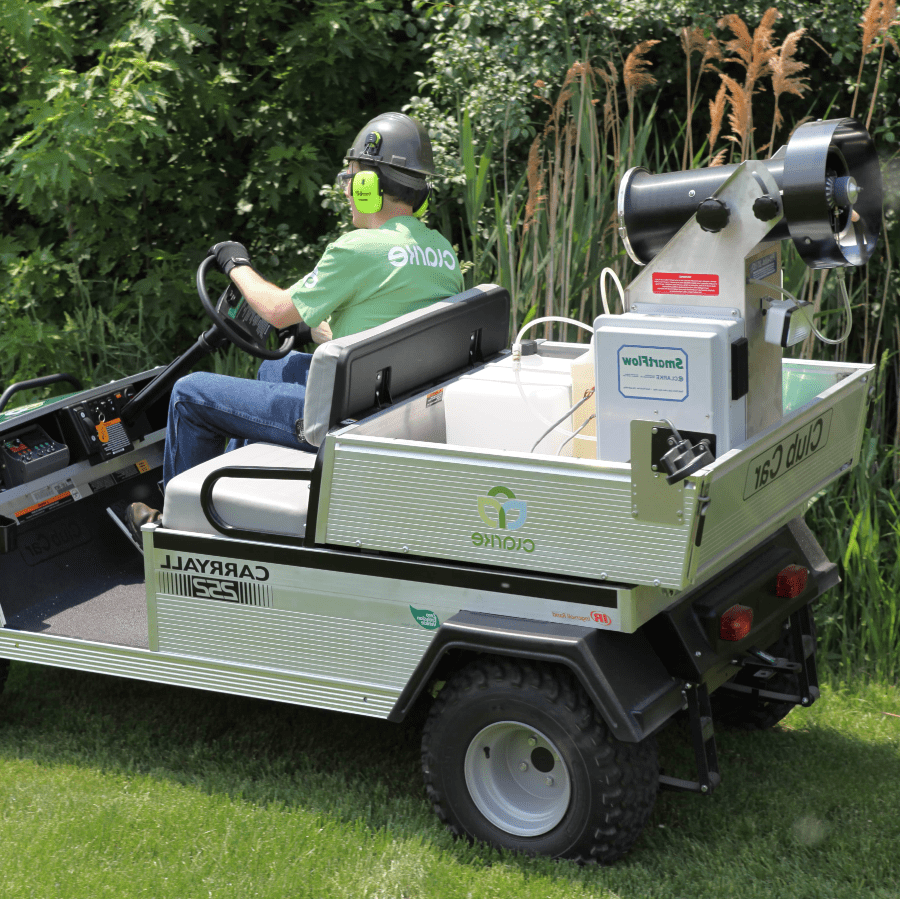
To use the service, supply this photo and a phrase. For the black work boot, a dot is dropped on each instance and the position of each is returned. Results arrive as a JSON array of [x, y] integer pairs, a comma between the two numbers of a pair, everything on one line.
[[139, 514]]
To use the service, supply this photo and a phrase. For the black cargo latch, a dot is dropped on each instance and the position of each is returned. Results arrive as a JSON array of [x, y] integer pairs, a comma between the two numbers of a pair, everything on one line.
[[383, 388], [8, 534]]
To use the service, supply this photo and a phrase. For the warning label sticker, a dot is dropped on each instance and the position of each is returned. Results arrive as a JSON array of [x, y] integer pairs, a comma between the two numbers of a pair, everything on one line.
[[107, 481], [50, 497], [686, 284]]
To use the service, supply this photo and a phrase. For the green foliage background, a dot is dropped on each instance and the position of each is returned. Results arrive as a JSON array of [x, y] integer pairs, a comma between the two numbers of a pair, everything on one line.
[[135, 133]]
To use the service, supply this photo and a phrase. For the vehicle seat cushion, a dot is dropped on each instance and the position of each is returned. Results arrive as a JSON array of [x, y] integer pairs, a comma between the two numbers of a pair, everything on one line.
[[276, 507]]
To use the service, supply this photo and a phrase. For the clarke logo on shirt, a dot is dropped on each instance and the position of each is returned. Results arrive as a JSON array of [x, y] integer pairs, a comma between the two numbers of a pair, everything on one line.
[[414, 255]]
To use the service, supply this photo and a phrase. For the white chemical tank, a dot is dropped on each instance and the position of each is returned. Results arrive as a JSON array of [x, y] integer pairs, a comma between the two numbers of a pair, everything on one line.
[[585, 442], [486, 408]]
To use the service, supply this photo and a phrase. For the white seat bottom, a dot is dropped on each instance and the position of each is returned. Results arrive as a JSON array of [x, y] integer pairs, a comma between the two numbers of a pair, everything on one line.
[[275, 506]]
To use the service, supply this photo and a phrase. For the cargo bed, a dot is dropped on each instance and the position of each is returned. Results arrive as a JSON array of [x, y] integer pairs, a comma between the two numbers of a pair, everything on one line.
[[393, 484]]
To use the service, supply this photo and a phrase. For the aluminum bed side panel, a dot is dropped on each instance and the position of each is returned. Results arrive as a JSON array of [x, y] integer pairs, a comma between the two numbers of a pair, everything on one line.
[[769, 481], [563, 516]]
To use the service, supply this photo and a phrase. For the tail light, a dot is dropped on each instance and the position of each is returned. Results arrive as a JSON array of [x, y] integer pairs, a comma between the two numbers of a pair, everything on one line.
[[791, 581], [735, 623]]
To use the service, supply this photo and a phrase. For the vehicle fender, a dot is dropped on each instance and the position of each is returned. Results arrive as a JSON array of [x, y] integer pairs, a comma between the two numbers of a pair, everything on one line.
[[621, 673]]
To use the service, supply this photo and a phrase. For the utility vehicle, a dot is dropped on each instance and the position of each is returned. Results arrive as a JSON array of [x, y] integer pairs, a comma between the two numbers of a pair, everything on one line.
[[548, 586]]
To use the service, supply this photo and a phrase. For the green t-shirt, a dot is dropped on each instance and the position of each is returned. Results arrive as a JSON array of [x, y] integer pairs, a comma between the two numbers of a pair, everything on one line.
[[372, 275]]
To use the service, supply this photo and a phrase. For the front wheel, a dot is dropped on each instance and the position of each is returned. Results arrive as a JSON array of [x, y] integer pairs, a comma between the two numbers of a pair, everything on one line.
[[514, 754]]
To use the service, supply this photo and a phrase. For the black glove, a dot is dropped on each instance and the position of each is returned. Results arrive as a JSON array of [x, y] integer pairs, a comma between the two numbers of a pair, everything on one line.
[[229, 254], [302, 334]]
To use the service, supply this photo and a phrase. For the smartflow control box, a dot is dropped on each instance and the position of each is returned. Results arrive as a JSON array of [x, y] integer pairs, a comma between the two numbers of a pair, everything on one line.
[[669, 367]]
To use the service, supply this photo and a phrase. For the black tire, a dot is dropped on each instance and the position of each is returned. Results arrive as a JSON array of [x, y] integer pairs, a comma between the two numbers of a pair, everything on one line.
[[743, 712], [4, 673], [514, 754]]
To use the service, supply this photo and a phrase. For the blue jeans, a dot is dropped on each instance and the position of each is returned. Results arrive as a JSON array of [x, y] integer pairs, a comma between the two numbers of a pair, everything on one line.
[[205, 410]]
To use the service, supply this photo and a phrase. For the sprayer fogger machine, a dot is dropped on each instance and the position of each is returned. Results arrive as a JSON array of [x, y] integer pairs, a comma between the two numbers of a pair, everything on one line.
[[701, 343]]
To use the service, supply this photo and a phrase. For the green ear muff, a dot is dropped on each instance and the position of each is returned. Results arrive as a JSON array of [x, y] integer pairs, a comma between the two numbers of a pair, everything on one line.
[[423, 208], [366, 192]]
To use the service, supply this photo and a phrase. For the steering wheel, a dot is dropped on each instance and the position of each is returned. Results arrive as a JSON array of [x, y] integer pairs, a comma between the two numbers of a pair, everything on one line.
[[234, 317]]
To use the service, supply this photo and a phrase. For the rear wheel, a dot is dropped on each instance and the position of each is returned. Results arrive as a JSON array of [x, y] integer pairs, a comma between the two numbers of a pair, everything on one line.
[[514, 754]]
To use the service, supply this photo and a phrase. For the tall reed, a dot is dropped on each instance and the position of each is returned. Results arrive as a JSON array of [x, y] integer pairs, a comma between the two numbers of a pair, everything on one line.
[[785, 67], [696, 40], [549, 244], [878, 19]]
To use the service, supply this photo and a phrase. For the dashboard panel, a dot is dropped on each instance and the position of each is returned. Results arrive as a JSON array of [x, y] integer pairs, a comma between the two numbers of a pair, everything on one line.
[[66, 450]]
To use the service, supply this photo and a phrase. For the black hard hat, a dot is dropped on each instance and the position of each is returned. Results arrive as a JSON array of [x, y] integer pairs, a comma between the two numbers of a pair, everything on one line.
[[397, 143]]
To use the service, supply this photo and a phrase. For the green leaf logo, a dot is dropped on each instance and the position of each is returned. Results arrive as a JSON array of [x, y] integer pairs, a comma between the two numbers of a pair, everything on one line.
[[426, 618], [496, 514], [486, 504]]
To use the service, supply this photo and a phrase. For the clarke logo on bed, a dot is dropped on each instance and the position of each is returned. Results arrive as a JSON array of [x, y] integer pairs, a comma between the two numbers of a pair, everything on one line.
[[509, 514], [501, 510]]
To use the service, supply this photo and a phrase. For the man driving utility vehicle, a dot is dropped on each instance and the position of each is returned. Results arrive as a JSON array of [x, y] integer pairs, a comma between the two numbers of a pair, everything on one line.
[[365, 278]]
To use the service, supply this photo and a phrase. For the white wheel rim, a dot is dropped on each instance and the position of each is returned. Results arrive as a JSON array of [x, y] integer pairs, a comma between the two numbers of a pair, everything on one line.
[[517, 779]]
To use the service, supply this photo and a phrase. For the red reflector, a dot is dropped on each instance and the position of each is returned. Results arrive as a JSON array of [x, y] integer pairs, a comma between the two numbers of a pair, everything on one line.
[[735, 623], [791, 581]]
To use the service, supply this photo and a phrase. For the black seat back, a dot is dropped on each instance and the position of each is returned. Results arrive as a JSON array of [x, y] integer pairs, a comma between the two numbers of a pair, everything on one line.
[[355, 374]]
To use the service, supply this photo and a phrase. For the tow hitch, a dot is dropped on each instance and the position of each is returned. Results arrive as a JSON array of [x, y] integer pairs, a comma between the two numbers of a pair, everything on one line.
[[770, 664], [803, 665]]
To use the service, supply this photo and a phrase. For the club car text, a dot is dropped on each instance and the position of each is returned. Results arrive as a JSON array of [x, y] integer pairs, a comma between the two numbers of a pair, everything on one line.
[[786, 454]]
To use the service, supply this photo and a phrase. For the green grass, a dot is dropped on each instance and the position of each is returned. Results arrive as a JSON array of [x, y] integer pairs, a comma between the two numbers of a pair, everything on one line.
[[117, 788]]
